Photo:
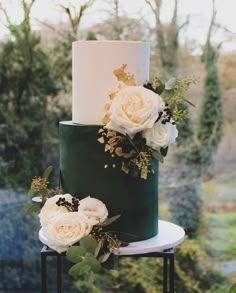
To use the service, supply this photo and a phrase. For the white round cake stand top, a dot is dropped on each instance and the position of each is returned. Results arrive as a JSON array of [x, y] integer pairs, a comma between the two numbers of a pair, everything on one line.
[[169, 236]]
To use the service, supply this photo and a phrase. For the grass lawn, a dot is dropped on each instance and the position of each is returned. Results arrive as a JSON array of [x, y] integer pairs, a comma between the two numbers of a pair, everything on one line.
[[219, 236], [219, 218]]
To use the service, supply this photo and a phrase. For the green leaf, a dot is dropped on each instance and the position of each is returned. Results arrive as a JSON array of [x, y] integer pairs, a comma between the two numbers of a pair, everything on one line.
[[89, 244], [155, 85], [170, 84], [98, 248], [31, 191], [47, 172], [160, 89], [88, 254], [93, 263], [164, 151], [168, 94], [79, 269], [232, 288], [75, 253], [103, 258], [132, 142], [110, 220], [157, 155], [32, 208], [187, 101]]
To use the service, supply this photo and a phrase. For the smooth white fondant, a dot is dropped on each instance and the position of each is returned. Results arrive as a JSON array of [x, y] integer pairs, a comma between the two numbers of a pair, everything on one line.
[[169, 236], [93, 63]]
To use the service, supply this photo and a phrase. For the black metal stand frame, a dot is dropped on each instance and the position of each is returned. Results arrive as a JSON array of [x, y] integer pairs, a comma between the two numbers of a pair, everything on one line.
[[168, 267]]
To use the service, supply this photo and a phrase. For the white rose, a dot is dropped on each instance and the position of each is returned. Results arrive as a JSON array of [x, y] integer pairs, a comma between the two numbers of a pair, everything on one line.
[[92, 210], [161, 135], [134, 109], [64, 230], [51, 209]]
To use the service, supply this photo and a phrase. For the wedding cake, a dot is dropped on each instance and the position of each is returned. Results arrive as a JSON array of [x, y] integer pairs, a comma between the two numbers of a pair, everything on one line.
[[85, 168]]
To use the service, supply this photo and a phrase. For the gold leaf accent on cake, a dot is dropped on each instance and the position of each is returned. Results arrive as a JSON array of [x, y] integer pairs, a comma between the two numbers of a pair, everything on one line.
[[110, 133], [112, 96], [118, 151], [101, 139], [124, 168], [126, 77], [107, 107], [106, 119], [107, 147]]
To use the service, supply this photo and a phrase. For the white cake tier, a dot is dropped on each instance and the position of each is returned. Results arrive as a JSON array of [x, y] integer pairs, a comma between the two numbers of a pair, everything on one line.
[[93, 63]]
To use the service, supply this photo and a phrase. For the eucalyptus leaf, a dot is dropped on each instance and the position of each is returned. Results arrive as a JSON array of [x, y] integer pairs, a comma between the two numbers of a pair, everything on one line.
[[160, 88], [98, 248], [31, 191], [32, 208], [170, 84], [89, 244], [157, 155], [75, 253], [168, 94], [110, 220], [164, 151], [79, 269], [103, 258], [88, 254], [93, 263], [47, 172]]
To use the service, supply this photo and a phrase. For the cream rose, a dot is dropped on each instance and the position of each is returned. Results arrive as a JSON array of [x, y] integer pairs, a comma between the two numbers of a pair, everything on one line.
[[51, 209], [134, 109], [161, 135], [64, 230], [92, 210]]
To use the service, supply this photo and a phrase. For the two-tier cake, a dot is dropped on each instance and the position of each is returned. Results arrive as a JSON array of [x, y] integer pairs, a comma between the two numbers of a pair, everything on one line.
[[85, 168]]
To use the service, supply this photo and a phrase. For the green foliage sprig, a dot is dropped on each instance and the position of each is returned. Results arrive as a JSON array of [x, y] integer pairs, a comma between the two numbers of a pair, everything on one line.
[[173, 92], [93, 250], [39, 186]]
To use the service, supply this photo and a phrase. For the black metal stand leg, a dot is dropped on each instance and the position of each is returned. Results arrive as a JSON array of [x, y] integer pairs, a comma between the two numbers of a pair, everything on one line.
[[165, 271], [168, 268], [59, 274], [43, 272], [171, 273]]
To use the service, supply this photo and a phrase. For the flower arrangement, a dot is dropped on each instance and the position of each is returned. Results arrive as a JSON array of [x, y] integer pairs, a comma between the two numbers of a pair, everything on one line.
[[74, 226], [140, 121]]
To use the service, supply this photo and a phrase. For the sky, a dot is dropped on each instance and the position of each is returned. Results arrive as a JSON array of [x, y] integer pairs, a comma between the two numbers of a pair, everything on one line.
[[199, 10]]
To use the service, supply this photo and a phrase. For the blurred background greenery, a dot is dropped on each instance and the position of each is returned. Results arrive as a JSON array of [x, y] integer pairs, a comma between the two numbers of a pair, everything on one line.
[[197, 181]]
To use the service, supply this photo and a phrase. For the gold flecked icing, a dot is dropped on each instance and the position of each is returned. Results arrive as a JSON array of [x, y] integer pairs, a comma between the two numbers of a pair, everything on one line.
[[126, 78]]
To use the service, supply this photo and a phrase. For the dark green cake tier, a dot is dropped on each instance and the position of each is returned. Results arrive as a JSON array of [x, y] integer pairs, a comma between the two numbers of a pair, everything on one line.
[[82, 160]]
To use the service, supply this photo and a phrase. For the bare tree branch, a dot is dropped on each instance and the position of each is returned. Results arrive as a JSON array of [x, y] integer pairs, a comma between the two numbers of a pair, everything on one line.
[[27, 7], [174, 16], [6, 15], [225, 29], [51, 27], [151, 5], [74, 16], [184, 23], [211, 22]]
